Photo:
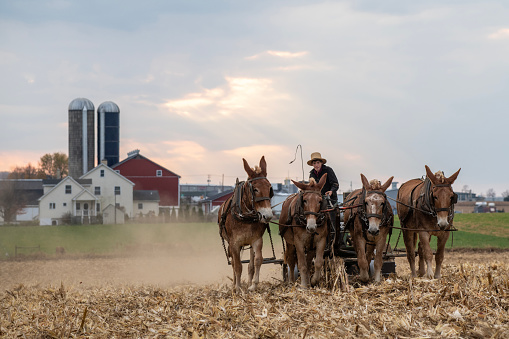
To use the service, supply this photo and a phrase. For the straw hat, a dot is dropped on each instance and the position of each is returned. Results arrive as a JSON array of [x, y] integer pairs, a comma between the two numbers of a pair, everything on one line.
[[316, 156]]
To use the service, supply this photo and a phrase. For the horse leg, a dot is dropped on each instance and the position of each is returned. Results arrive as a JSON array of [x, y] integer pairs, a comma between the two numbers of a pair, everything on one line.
[[427, 254], [410, 238], [257, 255], [362, 262], [290, 261], [302, 264], [380, 247], [250, 267], [422, 269], [439, 257], [237, 267], [320, 248]]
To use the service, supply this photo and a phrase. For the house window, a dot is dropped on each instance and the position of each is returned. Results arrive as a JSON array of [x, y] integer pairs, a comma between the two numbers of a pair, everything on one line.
[[140, 206], [98, 207], [159, 173], [102, 173], [67, 189], [117, 190], [97, 190], [78, 206], [52, 206]]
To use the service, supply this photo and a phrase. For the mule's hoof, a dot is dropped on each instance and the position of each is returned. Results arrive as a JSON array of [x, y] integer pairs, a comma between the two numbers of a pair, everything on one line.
[[252, 287]]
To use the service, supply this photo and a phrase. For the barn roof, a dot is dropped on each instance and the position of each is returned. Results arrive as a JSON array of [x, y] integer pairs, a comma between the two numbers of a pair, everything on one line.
[[136, 155]]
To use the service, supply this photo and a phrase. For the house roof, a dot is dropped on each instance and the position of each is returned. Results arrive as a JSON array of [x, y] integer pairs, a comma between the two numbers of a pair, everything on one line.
[[151, 195], [62, 181], [103, 166], [53, 182], [219, 195], [137, 155], [84, 195]]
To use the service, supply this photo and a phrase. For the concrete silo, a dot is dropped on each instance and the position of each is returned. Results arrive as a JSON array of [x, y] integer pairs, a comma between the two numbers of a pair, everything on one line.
[[81, 137], [108, 133]]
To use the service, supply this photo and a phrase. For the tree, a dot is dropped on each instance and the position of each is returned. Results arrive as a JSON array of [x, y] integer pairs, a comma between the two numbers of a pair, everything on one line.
[[54, 165], [505, 194], [27, 172], [491, 193], [11, 201]]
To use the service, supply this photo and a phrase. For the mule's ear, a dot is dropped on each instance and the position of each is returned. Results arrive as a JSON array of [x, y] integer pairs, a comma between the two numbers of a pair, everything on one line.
[[322, 181], [387, 184], [249, 170], [365, 182], [300, 185], [431, 176], [453, 177], [263, 166]]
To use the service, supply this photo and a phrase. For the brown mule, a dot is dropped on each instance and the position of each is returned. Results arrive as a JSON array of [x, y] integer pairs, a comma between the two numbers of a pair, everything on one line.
[[369, 224], [431, 213], [243, 219], [306, 233]]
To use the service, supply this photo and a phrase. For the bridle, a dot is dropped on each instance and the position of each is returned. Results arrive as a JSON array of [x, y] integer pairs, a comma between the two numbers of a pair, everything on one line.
[[241, 210], [450, 209], [301, 215], [384, 217]]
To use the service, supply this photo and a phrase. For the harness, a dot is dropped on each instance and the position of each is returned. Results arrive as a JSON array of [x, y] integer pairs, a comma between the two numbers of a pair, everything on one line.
[[234, 206], [386, 218], [299, 215], [427, 198]]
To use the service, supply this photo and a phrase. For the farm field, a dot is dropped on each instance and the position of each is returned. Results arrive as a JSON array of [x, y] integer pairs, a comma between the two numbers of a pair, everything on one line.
[[164, 281]]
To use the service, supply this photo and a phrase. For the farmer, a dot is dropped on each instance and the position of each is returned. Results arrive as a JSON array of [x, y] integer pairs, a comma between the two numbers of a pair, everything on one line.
[[319, 169], [329, 189]]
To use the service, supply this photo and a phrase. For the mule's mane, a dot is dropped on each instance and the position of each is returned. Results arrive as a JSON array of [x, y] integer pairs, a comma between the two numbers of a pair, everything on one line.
[[440, 177], [375, 184], [257, 170]]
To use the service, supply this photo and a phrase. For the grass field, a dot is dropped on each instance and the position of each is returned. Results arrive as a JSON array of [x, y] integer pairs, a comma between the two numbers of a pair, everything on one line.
[[474, 231]]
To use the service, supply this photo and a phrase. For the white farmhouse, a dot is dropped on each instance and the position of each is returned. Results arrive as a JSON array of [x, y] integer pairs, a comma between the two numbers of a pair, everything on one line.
[[85, 197]]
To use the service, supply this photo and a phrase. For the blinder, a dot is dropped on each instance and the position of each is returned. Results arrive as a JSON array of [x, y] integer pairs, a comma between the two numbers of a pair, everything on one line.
[[258, 199], [454, 198]]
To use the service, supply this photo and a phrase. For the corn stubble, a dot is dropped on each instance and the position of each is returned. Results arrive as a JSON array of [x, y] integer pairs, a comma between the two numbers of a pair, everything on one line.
[[471, 300]]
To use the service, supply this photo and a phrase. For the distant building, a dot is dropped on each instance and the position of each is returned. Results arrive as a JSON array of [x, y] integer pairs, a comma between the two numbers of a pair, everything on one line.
[[148, 175]]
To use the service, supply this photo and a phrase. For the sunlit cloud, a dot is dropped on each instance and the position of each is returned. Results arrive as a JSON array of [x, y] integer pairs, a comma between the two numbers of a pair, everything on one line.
[[236, 97], [11, 159], [502, 33], [280, 54]]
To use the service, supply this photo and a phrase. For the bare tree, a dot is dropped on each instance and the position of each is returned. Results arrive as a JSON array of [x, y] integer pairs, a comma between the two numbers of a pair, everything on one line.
[[464, 189], [54, 165], [27, 172], [505, 194], [11, 201], [491, 193]]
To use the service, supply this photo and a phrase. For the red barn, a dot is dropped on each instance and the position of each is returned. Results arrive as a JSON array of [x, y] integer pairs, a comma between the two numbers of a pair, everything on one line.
[[147, 176], [216, 200]]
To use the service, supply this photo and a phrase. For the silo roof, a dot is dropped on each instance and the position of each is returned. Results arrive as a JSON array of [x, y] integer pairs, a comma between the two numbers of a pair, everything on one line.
[[108, 107], [80, 103]]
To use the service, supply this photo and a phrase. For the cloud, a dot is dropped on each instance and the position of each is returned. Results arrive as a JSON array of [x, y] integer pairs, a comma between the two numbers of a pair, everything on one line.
[[238, 96], [502, 33], [280, 54]]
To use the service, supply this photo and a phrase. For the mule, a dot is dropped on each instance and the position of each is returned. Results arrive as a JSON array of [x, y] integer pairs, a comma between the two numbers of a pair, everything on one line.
[[369, 224], [426, 208], [303, 226], [243, 219]]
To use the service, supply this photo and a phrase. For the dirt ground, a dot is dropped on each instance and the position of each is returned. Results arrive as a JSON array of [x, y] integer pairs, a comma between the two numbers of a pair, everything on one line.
[[166, 269]]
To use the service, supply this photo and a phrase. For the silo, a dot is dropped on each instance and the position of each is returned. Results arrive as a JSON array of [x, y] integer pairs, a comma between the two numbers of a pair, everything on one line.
[[108, 133], [81, 137]]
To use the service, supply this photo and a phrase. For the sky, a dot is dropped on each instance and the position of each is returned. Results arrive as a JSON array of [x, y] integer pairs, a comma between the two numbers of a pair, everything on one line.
[[377, 87]]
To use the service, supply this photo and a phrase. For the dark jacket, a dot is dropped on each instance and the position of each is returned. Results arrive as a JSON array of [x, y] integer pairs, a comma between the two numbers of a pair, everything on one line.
[[331, 184]]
